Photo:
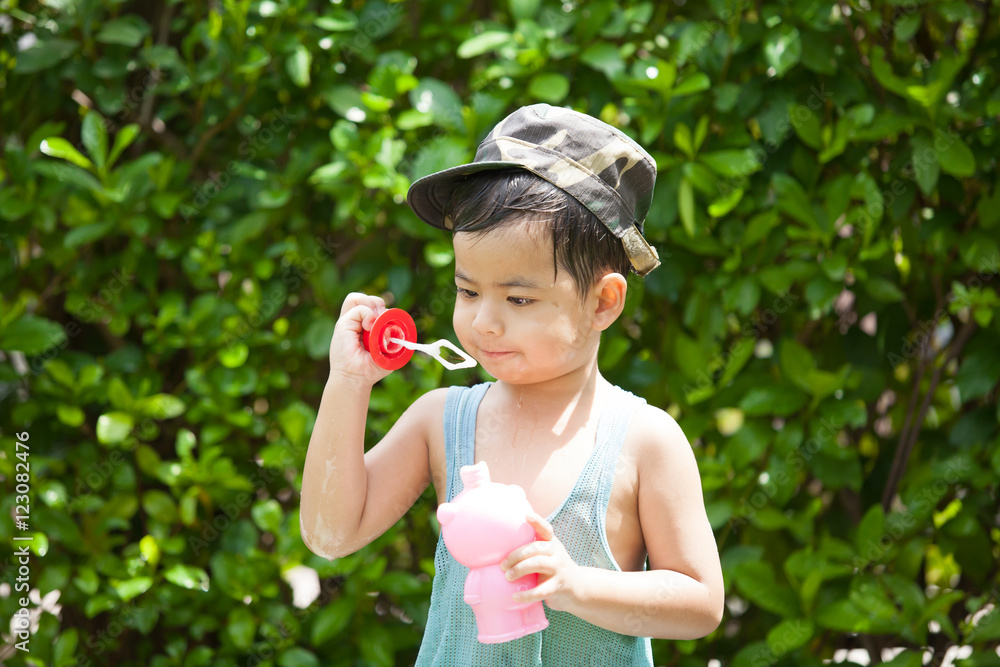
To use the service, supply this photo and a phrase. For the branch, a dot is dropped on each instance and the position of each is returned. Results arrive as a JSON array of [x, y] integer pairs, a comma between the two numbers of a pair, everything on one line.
[[163, 32], [234, 113], [907, 440]]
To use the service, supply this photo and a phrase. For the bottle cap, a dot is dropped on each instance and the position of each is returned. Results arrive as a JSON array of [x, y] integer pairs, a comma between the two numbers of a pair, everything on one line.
[[391, 323]]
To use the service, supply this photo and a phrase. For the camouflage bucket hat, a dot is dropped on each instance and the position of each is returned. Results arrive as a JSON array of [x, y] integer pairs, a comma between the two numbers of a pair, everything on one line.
[[599, 165]]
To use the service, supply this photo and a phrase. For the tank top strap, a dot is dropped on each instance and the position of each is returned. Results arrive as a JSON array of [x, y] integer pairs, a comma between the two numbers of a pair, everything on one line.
[[460, 407]]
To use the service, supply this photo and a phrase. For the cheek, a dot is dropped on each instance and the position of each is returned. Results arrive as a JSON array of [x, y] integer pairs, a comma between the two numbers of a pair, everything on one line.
[[460, 320]]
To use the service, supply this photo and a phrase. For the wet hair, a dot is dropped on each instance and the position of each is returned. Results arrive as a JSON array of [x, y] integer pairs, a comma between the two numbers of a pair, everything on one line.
[[581, 244]]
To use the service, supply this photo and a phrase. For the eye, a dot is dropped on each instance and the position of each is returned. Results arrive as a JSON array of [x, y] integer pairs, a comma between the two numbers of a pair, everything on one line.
[[520, 301], [466, 293]]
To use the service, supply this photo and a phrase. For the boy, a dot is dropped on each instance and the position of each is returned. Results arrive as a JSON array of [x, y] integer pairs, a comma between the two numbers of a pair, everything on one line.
[[547, 221]]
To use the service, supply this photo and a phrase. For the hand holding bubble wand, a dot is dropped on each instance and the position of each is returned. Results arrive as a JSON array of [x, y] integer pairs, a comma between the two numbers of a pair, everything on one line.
[[396, 336]]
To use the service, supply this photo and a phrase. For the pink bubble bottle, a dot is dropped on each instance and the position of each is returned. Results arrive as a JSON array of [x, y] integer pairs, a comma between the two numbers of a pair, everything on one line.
[[481, 525]]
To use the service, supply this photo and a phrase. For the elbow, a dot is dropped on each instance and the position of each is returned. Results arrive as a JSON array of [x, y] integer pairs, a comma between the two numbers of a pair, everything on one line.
[[710, 617], [330, 550], [714, 618], [329, 546], [698, 625]]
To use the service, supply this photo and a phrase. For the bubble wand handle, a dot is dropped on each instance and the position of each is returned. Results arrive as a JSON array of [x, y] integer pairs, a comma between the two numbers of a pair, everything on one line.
[[434, 350]]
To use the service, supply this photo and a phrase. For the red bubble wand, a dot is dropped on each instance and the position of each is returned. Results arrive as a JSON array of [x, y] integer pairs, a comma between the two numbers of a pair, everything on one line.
[[396, 334]]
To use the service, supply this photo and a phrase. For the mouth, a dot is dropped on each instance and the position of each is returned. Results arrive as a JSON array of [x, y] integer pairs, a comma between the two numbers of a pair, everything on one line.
[[496, 354]]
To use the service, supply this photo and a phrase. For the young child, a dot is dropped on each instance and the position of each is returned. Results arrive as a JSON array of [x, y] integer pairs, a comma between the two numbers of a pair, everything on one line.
[[546, 223]]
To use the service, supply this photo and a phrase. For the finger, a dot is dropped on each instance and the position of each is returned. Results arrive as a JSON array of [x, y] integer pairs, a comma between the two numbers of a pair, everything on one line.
[[375, 303], [540, 564], [522, 553], [543, 529], [357, 318], [538, 593]]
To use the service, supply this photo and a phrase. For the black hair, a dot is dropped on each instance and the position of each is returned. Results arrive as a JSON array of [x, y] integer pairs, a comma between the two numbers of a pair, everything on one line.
[[581, 244]]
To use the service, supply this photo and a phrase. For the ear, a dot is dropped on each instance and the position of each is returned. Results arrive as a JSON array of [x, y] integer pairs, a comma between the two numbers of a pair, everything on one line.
[[445, 513], [609, 292]]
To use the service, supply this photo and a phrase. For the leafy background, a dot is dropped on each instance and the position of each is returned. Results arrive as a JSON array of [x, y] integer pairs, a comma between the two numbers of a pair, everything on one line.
[[188, 190]]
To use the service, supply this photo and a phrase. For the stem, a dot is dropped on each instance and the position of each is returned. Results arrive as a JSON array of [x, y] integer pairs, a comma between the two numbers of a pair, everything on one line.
[[907, 440]]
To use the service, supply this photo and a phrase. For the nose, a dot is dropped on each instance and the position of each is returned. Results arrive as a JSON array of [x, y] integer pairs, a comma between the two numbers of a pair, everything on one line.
[[487, 320]]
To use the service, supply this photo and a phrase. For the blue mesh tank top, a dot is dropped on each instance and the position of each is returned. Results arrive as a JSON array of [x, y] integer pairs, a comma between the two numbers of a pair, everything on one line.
[[450, 637]]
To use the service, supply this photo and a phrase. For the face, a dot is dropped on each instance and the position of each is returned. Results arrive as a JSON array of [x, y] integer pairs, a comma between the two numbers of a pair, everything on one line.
[[519, 319]]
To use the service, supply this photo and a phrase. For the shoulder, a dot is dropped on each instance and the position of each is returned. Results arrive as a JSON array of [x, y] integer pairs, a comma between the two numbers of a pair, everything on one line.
[[653, 427], [429, 405], [659, 442], [429, 409]]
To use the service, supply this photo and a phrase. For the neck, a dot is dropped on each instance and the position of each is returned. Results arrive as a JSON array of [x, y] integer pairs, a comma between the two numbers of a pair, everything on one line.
[[579, 386]]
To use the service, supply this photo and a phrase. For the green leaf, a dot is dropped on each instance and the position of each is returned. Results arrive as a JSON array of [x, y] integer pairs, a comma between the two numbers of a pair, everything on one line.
[[757, 582], [70, 415], [186, 576], [234, 356], [549, 87], [694, 83], [748, 444], [64, 650], [61, 372], [87, 234], [604, 57], [926, 167], [241, 627], [60, 148], [700, 132], [844, 616], [987, 629], [524, 9], [797, 362], [128, 30], [685, 206], [759, 227], [160, 505], [780, 400], [789, 635], [725, 204], [867, 540], [44, 54], [339, 20], [150, 550], [32, 335], [161, 406], [377, 647], [884, 290], [298, 65], [331, 620], [978, 373], [731, 163], [114, 427], [267, 515], [906, 658], [783, 48], [794, 201], [483, 43], [954, 156], [682, 139], [806, 123], [132, 587], [297, 656], [440, 100], [95, 138]]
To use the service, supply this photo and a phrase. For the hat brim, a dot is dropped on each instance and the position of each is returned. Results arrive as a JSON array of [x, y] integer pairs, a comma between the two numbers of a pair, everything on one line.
[[429, 195]]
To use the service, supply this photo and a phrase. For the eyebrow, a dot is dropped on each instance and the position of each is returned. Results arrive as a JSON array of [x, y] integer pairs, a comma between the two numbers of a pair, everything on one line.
[[516, 281]]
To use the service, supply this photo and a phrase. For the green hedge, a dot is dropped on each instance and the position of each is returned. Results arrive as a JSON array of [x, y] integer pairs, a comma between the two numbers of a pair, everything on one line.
[[189, 190]]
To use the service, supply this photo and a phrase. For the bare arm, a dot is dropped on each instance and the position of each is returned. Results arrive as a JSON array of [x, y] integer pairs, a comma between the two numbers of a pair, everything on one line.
[[349, 497], [681, 596]]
